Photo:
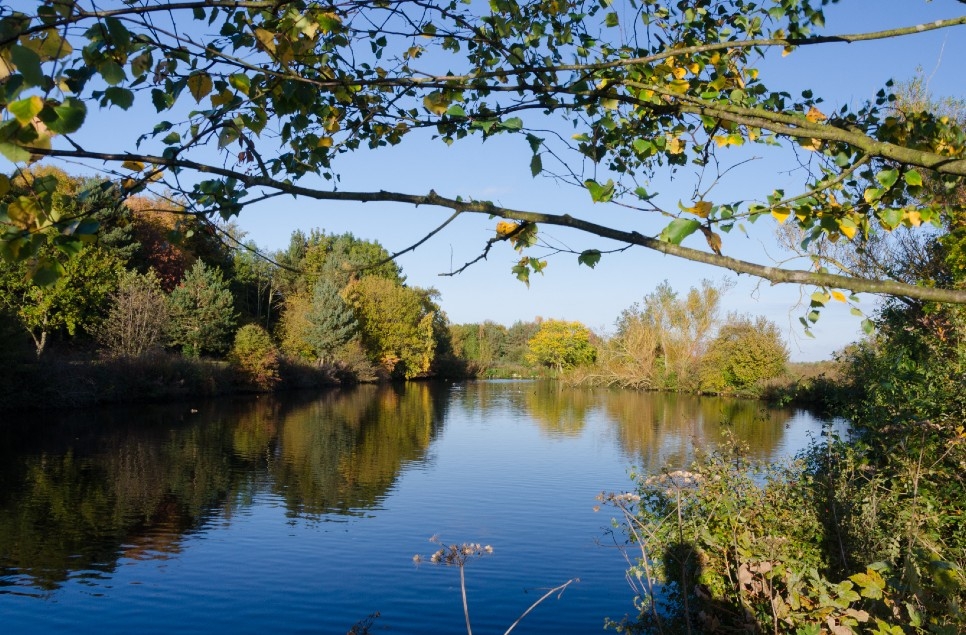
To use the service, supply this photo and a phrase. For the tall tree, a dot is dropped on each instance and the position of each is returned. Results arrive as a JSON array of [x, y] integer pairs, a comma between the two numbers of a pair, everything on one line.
[[560, 345], [399, 326], [640, 86], [202, 311], [331, 321]]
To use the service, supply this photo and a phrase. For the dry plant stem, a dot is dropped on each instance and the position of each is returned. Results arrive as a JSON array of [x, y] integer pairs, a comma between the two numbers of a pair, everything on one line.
[[560, 588], [645, 560], [466, 607]]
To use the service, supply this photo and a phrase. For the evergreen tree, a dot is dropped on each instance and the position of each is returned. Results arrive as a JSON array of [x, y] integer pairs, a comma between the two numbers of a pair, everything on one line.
[[331, 321], [202, 312]]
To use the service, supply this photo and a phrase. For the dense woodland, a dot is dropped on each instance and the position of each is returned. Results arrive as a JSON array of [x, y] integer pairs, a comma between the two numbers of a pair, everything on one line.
[[160, 286]]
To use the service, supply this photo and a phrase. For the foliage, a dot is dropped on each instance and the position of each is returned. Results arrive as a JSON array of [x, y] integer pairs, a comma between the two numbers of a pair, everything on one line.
[[136, 322], [738, 547], [399, 326], [72, 304], [336, 78], [659, 343], [561, 345], [202, 312], [745, 353], [331, 321], [255, 354]]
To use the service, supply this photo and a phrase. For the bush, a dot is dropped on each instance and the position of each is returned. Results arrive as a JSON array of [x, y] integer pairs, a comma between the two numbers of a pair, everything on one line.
[[256, 357], [744, 354]]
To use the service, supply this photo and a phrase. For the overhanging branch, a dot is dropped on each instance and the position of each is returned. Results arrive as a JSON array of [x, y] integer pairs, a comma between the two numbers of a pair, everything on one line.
[[774, 275]]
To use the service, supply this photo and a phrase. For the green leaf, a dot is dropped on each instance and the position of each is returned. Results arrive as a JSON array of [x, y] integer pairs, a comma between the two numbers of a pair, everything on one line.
[[913, 178], [890, 218], [867, 326], [536, 165], [46, 272], [65, 118], [112, 72], [887, 177], [589, 257], [28, 63], [678, 230], [455, 111], [120, 36], [161, 99], [121, 97], [513, 123], [611, 19], [240, 82], [600, 193]]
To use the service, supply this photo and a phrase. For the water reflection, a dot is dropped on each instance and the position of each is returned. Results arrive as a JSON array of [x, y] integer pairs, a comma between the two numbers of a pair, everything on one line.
[[80, 491]]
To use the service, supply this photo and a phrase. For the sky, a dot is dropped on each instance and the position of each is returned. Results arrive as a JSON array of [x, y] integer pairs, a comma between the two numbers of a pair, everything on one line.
[[498, 170]]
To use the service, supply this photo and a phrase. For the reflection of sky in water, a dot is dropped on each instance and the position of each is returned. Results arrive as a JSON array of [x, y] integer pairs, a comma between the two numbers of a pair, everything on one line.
[[302, 515]]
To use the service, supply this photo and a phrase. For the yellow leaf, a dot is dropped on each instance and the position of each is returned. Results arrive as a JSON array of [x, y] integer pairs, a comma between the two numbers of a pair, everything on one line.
[[200, 85], [811, 144], [325, 142], [609, 103], [137, 166], [781, 213], [505, 228], [679, 86], [266, 38], [838, 295], [848, 227], [436, 103], [815, 115], [913, 217], [675, 145], [714, 240], [694, 67], [701, 208], [787, 50], [722, 140], [679, 72]]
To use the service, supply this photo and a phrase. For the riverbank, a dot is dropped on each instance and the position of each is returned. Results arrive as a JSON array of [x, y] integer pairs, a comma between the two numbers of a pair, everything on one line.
[[66, 383]]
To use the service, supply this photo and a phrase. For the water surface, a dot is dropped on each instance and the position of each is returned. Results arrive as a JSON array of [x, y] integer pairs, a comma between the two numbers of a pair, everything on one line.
[[301, 514]]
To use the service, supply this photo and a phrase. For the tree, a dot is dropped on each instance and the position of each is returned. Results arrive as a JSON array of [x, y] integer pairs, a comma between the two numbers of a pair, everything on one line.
[[331, 321], [138, 317], [202, 312], [745, 352], [561, 345], [399, 326], [255, 354], [642, 86], [659, 343]]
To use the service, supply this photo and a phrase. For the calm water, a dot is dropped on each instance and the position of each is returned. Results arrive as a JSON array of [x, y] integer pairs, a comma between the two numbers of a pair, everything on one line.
[[302, 514]]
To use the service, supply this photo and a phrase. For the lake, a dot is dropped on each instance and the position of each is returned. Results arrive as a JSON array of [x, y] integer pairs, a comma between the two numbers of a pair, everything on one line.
[[302, 513]]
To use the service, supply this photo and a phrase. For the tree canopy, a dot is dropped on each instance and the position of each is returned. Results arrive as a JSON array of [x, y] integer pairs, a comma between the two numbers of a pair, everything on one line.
[[253, 99]]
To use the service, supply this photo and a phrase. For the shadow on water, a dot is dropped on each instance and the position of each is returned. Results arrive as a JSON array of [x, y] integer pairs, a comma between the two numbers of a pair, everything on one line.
[[81, 490]]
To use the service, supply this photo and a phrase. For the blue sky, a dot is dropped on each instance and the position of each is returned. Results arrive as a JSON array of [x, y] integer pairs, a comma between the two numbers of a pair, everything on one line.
[[498, 170]]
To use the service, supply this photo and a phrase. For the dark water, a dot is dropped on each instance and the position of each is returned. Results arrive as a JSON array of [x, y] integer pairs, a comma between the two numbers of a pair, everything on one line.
[[302, 514]]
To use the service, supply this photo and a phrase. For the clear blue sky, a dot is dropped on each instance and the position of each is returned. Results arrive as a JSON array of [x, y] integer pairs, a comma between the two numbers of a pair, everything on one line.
[[498, 170]]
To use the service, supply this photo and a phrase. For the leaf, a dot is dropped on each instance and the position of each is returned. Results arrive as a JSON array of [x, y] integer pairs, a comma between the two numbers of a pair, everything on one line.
[[781, 213], [112, 72], [266, 38], [611, 19], [536, 165], [887, 177], [912, 178], [701, 208], [679, 229], [26, 109], [121, 97], [867, 326], [65, 118], [815, 115], [436, 102], [820, 298], [838, 296], [46, 272], [589, 257], [848, 227], [28, 63], [890, 218], [455, 111], [600, 193], [240, 82], [136, 166], [200, 85]]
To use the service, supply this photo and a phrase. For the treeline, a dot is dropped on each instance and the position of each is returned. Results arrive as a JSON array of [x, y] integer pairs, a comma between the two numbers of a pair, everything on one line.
[[164, 303], [165, 293]]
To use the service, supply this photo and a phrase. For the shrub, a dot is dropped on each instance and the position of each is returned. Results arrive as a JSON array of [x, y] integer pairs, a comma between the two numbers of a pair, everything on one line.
[[256, 357], [745, 353]]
